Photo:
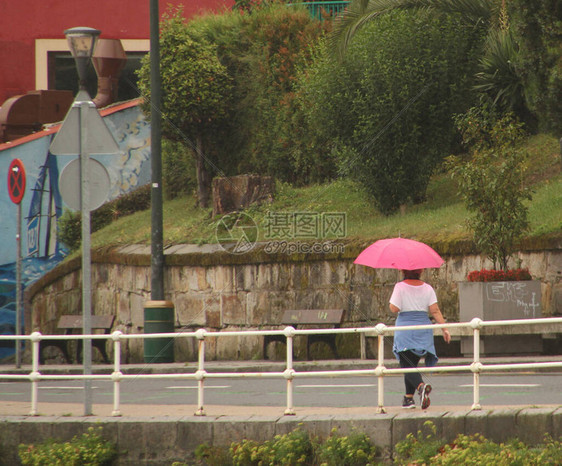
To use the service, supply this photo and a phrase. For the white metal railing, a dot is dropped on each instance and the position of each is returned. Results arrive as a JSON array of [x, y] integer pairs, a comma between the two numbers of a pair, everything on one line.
[[200, 375]]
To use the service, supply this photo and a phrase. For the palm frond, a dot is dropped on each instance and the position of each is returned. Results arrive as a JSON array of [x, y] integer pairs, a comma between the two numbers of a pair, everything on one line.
[[497, 76], [361, 12]]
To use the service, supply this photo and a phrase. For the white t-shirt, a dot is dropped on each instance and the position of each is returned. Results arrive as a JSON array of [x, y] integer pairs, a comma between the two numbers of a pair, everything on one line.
[[413, 298]]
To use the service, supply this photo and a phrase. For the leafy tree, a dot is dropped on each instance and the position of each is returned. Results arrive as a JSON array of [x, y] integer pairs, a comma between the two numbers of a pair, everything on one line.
[[196, 90], [387, 105], [497, 76], [537, 29], [227, 82], [281, 41], [361, 12], [492, 182]]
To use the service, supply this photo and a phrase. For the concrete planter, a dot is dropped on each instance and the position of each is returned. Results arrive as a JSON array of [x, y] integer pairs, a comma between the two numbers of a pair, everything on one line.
[[501, 301]]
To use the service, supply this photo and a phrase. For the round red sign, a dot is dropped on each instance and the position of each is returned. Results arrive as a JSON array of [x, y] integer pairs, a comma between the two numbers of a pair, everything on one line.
[[16, 181]]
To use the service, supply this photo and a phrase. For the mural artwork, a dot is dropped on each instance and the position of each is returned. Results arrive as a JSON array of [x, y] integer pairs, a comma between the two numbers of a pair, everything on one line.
[[42, 204]]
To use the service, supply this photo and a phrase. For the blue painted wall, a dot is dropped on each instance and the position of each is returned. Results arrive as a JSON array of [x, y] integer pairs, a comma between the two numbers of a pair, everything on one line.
[[42, 204]]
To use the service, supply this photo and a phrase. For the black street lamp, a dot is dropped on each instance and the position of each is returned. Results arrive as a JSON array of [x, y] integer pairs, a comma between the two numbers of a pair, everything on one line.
[[82, 42]]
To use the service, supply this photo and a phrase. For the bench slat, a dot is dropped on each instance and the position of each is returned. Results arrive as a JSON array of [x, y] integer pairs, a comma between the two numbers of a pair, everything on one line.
[[313, 316], [75, 321]]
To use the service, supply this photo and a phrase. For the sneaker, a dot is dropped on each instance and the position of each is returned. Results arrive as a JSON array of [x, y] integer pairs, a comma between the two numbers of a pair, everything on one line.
[[424, 390], [408, 403]]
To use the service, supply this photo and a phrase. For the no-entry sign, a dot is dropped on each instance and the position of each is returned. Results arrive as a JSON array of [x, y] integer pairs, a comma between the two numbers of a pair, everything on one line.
[[16, 181]]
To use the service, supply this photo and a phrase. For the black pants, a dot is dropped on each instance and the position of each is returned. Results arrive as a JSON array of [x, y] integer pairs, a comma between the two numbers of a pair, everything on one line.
[[412, 379]]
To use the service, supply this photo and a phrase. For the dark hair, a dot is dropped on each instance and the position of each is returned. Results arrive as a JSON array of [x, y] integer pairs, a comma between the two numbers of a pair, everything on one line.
[[412, 274]]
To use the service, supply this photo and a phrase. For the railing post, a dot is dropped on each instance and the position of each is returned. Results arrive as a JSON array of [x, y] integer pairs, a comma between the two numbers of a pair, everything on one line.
[[116, 375], [200, 374], [476, 365], [289, 371], [34, 376], [380, 368]]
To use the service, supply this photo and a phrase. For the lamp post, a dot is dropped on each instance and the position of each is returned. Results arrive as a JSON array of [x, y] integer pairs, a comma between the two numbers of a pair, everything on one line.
[[82, 42]]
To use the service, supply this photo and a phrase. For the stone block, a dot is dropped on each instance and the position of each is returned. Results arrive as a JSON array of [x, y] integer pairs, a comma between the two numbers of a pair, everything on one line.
[[223, 280], [10, 439], [501, 425], [160, 448], [136, 302], [191, 310], [533, 423], [228, 429], [557, 424], [476, 422], [377, 426], [319, 425], [453, 424], [557, 301], [263, 277], [194, 431], [257, 307], [412, 422], [34, 428], [261, 428], [185, 349], [289, 423], [65, 428], [104, 302], [196, 278], [233, 308], [142, 279], [131, 438]]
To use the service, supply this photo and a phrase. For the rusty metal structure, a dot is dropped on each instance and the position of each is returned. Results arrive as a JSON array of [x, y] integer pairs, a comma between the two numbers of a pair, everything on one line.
[[22, 115]]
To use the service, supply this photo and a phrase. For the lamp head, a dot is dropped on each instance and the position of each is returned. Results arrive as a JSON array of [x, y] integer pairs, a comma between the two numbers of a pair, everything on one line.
[[82, 42]]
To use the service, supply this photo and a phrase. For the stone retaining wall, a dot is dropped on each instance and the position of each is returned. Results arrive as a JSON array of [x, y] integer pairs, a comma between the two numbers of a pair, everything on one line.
[[156, 441], [220, 291]]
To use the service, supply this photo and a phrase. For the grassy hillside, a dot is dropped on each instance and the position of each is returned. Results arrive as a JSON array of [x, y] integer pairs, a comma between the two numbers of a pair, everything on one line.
[[441, 218]]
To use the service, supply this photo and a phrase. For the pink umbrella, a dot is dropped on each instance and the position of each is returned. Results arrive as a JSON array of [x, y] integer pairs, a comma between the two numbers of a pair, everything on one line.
[[399, 253]]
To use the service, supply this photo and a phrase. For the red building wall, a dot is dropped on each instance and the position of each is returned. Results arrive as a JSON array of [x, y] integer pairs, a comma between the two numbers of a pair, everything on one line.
[[24, 21]]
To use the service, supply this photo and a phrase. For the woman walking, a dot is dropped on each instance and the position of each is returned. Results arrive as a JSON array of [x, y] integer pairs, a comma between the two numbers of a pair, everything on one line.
[[414, 301]]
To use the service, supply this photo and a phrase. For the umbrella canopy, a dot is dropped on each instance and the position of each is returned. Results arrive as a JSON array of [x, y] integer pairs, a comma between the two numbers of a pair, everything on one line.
[[399, 253]]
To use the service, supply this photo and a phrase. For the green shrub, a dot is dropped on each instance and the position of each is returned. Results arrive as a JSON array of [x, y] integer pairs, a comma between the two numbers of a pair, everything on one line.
[[386, 110], [352, 450], [70, 223], [493, 183], [419, 448], [178, 169], [70, 229], [293, 448], [296, 447], [473, 449], [89, 448]]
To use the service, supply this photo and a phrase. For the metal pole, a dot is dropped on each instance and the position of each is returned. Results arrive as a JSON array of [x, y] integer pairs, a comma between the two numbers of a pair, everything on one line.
[[157, 248], [201, 379], [290, 410], [380, 407], [476, 377], [116, 376], [19, 300], [86, 256], [35, 342]]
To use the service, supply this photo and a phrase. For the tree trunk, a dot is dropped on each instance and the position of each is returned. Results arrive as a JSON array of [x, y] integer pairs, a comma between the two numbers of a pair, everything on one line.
[[203, 175]]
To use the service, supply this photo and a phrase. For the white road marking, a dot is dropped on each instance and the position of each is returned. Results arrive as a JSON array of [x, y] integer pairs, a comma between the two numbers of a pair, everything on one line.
[[504, 385], [62, 388], [338, 386], [181, 387]]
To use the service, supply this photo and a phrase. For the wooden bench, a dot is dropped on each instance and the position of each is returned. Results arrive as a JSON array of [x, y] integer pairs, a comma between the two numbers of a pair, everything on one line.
[[319, 318], [71, 323]]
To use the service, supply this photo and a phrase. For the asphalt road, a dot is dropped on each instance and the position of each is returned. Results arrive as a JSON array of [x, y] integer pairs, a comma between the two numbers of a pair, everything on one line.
[[448, 389]]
